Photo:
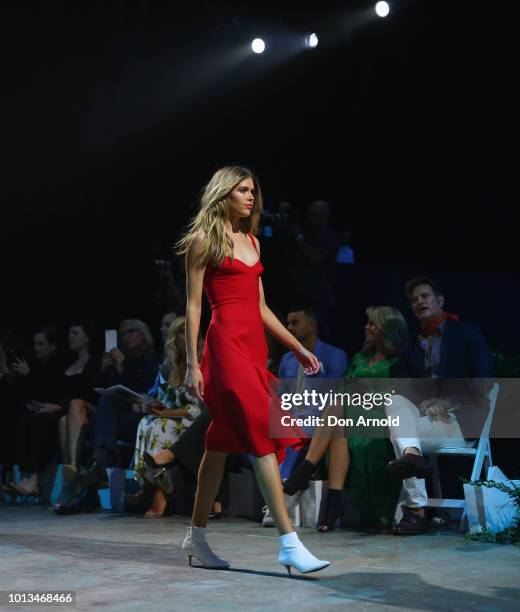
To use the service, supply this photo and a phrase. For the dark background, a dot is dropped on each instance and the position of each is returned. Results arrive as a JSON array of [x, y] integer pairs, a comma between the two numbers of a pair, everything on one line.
[[119, 111]]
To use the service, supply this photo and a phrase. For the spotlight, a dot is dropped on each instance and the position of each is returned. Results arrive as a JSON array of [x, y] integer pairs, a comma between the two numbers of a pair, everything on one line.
[[258, 45], [382, 9], [311, 40]]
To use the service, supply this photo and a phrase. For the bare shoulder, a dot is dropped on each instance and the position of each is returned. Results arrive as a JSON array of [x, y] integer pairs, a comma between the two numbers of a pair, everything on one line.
[[197, 240], [195, 247]]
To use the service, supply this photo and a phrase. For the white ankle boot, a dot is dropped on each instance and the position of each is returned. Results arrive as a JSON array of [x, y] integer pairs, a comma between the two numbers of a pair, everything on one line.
[[195, 545], [294, 554]]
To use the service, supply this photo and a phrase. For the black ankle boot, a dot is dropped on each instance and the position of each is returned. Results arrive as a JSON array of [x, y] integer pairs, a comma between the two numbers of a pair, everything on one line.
[[95, 476], [299, 479], [333, 511]]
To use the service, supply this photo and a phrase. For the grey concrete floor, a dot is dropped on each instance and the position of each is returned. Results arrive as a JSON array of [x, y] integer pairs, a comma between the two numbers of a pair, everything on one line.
[[117, 562]]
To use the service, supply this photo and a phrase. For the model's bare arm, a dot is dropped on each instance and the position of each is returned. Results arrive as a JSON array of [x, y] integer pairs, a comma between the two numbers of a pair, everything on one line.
[[194, 280], [283, 335], [273, 325]]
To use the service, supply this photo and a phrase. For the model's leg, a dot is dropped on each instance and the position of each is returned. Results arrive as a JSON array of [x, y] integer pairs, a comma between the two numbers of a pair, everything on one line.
[[292, 552], [268, 477], [210, 475]]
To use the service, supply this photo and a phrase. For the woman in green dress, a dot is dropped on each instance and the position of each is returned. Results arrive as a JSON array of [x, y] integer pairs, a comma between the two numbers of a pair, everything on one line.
[[364, 458]]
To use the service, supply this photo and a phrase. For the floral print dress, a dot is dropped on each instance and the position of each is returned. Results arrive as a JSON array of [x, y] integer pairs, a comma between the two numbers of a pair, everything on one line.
[[155, 433]]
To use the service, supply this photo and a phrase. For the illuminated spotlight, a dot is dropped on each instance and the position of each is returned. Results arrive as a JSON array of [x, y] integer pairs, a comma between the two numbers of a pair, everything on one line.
[[382, 9], [311, 40], [258, 45]]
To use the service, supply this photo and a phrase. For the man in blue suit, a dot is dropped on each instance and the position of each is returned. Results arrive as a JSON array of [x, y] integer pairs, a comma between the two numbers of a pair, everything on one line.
[[302, 323], [449, 407]]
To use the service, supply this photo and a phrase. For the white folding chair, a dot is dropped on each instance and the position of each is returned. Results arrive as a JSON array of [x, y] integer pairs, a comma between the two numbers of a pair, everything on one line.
[[483, 459]]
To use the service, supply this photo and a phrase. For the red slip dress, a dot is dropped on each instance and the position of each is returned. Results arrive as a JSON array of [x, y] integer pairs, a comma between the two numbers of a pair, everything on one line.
[[238, 389]]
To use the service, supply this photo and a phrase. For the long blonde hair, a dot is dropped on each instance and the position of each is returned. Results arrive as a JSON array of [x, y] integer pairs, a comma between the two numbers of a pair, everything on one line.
[[392, 328], [214, 213]]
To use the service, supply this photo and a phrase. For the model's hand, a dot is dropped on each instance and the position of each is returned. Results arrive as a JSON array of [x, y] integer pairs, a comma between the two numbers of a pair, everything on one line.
[[309, 361], [194, 382]]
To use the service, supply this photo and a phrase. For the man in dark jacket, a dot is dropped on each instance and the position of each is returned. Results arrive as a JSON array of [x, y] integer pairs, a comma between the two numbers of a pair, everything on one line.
[[449, 403]]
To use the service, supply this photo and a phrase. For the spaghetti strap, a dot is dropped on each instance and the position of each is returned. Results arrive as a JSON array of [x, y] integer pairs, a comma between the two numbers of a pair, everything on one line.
[[254, 243]]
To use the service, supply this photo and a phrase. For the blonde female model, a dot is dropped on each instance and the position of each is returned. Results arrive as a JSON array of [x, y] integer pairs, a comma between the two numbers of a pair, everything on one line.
[[223, 259]]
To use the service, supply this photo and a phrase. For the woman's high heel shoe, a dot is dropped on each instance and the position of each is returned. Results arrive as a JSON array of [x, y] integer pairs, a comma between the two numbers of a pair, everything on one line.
[[195, 546], [294, 554]]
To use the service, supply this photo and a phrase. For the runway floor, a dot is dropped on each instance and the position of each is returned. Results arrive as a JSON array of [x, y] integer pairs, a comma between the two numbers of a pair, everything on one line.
[[119, 562]]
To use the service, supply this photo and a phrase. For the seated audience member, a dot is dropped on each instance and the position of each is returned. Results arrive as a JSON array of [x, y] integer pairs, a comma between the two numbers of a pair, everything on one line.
[[169, 416], [302, 323], [41, 378], [446, 348], [37, 438], [38, 380], [134, 366], [386, 336]]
